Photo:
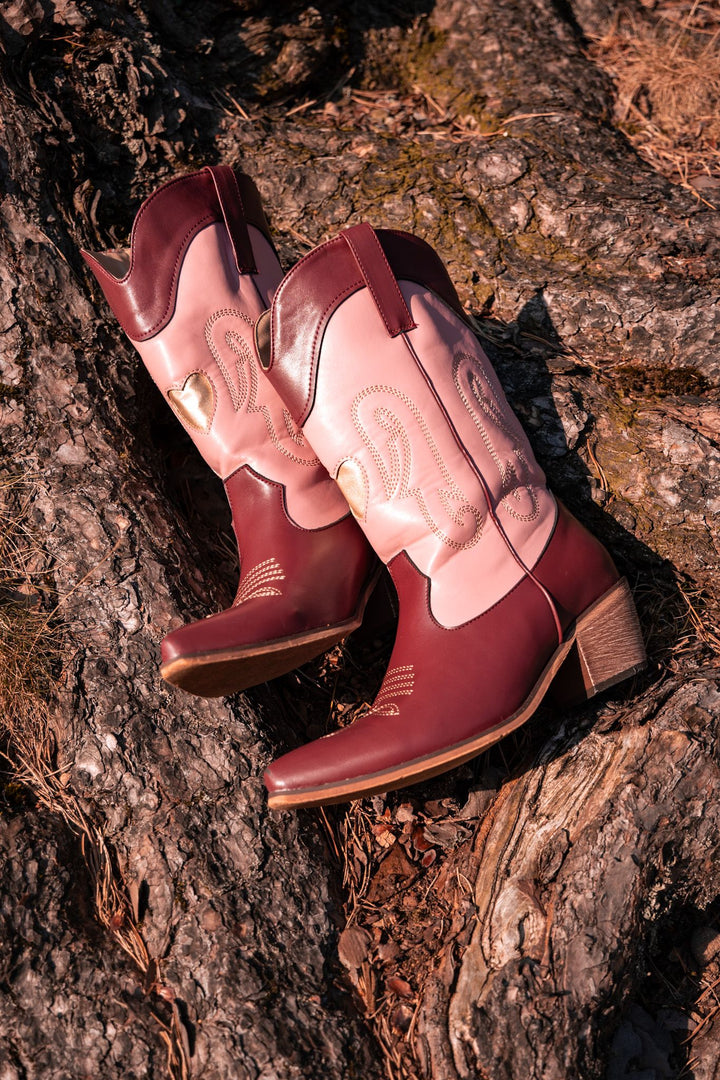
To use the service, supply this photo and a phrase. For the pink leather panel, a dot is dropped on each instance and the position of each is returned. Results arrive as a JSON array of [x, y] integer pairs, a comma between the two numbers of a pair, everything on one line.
[[474, 401], [442, 687], [379, 415], [205, 364], [312, 290]]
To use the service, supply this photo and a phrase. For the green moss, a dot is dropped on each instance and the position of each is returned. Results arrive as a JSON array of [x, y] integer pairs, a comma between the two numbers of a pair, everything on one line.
[[413, 195], [623, 416], [633, 379], [531, 243], [16, 795], [421, 66], [424, 66]]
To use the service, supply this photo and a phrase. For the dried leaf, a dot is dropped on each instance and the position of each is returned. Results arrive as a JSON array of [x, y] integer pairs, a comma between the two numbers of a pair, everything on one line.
[[353, 947], [393, 873], [404, 813], [396, 985], [182, 1032], [388, 951], [401, 1017], [705, 944], [445, 833], [419, 841], [116, 919], [133, 889], [151, 975]]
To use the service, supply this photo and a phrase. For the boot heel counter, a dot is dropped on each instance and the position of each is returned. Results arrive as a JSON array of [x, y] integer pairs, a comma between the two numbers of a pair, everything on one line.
[[575, 567], [608, 648]]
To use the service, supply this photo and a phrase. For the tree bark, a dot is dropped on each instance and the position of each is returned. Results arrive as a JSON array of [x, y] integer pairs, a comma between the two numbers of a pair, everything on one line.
[[230, 911], [498, 922]]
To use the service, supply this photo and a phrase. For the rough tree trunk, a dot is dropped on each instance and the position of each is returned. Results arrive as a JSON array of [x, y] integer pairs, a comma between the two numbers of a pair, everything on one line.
[[518, 917]]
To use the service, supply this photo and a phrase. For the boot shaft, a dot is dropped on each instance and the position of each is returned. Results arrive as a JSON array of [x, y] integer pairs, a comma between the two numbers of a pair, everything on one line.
[[199, 271]]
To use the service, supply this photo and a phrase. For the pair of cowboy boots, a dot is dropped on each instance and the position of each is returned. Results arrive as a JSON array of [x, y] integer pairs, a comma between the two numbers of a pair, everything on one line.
[[352, 415]]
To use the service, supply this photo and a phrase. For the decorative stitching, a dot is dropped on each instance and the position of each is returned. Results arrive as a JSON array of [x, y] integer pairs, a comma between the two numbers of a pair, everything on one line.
[[236, 397], [246, 393], [489, 405], [257, 582], [396, 478], [399, 682]]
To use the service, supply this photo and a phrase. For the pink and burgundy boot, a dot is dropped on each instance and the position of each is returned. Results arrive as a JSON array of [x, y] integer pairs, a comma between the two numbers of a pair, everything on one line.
[[200, 270], [501, 591]]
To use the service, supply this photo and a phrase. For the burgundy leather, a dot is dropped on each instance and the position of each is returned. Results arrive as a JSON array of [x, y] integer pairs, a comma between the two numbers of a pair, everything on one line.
[[144, 299], [323, 573], [575, 568], [464, 681], [228, 193], [379, 278], [309, 295]]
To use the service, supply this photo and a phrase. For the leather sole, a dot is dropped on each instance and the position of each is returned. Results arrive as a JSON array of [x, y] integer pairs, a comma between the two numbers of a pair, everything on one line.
[[228, 671], [607, 618]]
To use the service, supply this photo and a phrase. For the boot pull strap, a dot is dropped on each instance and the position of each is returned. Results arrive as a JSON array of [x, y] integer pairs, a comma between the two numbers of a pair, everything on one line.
[[379, 278], [231, 204]]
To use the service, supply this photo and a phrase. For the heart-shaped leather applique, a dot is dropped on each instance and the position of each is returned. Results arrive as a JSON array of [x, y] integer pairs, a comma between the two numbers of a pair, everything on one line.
[[194, 401]]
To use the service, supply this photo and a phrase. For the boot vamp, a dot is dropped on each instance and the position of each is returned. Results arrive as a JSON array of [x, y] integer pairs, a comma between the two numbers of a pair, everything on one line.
[[317, 582], [443, 687]]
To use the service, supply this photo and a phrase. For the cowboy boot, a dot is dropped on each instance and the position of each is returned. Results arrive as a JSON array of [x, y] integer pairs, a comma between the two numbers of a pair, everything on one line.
[[501, 591], [199, 271]]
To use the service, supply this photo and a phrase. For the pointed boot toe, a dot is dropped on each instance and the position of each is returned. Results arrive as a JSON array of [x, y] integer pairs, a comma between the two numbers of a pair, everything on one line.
[[301, 591]]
